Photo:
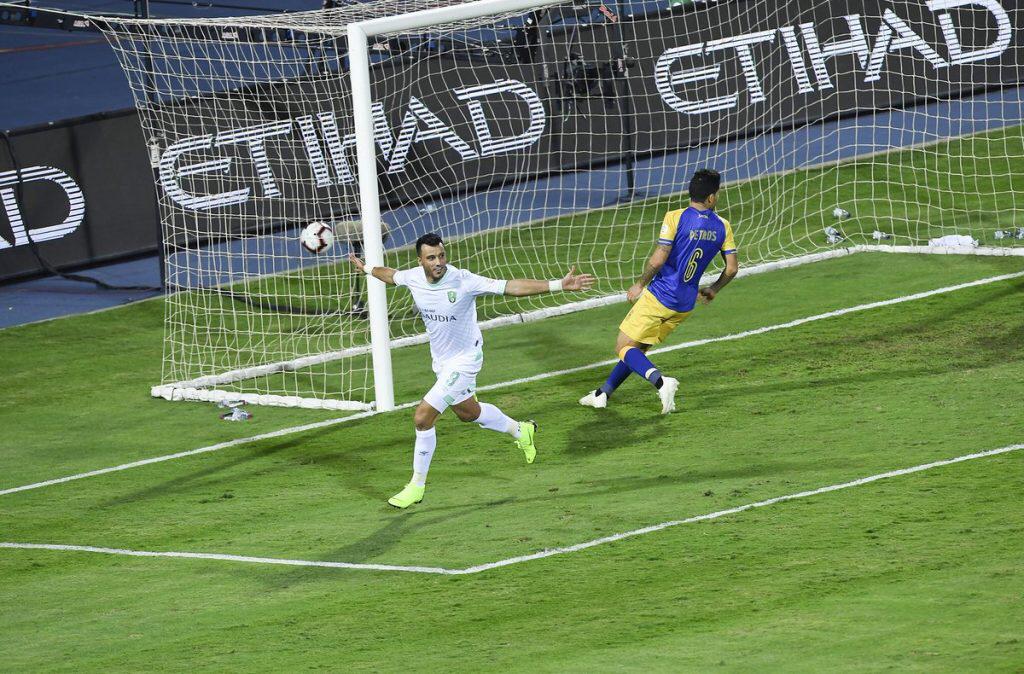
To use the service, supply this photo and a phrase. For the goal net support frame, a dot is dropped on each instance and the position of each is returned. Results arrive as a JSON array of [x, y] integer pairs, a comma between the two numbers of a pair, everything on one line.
[[204, 389], [359, 36], [369, 197]]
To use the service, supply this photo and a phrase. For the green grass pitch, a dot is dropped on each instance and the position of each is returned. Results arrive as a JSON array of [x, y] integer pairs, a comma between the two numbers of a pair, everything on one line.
[[920, 572]]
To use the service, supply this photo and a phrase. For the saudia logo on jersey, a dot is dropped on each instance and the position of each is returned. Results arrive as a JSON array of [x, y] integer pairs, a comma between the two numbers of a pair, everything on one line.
[[9, 181], [893, 34], [419, 123], [436, 317]]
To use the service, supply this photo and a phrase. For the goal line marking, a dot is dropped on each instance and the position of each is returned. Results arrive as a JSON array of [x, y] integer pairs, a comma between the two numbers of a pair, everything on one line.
[[761, 331], [204, 388], [436, 570], [514, 382]]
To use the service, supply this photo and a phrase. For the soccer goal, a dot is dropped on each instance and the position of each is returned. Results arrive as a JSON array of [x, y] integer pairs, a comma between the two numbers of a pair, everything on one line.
[[535, 136]]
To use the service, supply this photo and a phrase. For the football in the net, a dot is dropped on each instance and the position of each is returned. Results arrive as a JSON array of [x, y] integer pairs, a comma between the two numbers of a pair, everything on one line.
[[317, 237]]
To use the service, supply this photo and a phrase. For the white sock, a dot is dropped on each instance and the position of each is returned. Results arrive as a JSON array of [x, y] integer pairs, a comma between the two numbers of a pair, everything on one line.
[[426, 442], [494, 419]]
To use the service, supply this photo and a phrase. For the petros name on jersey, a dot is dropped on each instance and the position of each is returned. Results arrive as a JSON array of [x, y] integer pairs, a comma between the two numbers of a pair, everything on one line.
[[703, 235]]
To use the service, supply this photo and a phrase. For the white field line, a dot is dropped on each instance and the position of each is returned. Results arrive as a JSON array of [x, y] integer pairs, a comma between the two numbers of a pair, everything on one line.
[[201, 450], [761, 331], [197, 389], [522, 558], [516, 382]]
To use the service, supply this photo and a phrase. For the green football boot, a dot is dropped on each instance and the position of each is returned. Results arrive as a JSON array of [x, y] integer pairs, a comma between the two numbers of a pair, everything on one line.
[[408, 496], [527, 432]]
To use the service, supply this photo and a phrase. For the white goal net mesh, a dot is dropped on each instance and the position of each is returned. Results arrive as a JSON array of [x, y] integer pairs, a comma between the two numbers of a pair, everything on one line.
[[537, 140]]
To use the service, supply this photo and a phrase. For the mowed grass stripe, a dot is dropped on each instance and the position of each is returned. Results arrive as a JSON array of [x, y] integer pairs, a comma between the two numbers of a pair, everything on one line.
[[515, 382], [58, 421], [918, 572], [543, 554], [790, 411]]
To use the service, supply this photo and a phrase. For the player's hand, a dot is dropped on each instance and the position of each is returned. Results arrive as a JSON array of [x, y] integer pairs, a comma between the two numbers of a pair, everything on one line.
[[633, 294], [706, 294], [357, 262], [574, 281]]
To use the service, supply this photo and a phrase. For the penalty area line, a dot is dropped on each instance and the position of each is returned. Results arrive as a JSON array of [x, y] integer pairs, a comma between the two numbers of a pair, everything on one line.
[[193, 452], [516, 382], [760, 331], [522, 558]]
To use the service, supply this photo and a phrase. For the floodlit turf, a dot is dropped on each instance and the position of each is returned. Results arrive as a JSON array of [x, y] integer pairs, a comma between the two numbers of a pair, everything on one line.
[[918, 572]]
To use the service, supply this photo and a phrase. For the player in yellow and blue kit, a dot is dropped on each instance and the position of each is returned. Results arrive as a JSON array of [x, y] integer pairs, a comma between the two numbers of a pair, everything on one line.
[[666, 292]]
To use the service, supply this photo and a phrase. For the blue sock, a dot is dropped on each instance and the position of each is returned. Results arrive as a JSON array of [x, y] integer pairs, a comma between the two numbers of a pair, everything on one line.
[[615, 379], [638, 362]]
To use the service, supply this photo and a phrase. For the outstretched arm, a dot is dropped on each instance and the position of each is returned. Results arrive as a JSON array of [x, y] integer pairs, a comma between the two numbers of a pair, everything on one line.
[[386, 274], [654, 263], [732, 267], [572, 281]]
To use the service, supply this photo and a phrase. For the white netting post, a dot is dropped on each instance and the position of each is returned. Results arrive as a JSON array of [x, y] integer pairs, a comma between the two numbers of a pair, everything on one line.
[[369, 194], [369, 201]]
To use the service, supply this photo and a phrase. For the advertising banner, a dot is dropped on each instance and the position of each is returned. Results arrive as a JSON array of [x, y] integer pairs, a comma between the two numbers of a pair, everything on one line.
[[83, 191], [235, 152]]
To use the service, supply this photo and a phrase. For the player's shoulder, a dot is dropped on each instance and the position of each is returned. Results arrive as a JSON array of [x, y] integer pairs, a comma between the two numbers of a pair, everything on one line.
[[414, 276], [670, 225], [727, 229], [674, 214], [458, 276], [729, 242]]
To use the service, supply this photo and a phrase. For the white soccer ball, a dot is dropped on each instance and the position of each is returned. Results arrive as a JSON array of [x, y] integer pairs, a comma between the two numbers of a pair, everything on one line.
[[317, 237]]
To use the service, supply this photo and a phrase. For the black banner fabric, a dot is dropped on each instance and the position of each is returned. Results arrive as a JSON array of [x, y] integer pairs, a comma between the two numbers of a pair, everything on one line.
[[259, 154], [736, 69], [83, 190]]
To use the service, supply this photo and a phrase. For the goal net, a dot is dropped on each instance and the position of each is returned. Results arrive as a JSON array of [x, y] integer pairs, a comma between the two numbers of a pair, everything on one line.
[[534, 137]]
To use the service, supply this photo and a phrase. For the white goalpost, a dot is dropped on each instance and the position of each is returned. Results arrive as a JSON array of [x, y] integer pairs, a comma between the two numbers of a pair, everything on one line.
[[534, 136], [369, 196]]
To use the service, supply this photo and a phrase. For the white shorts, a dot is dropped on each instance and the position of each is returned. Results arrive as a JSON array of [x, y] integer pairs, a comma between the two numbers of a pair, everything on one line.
[[452, 387]]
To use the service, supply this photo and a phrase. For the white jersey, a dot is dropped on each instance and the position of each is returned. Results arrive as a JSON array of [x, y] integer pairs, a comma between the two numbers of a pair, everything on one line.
[[448, 309]]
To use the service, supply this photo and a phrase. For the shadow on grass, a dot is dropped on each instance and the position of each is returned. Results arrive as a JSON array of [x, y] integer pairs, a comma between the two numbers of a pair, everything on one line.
[[608, 429], [400, 525], [914, 343], [936, 345], [190, 479]]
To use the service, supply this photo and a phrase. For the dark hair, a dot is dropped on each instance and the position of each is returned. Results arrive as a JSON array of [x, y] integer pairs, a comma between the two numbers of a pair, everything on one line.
[[429, 239], [704, 183]]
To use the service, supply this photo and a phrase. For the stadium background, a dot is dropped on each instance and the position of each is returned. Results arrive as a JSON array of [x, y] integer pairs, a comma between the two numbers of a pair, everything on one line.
[[68, 106], [823, 374]]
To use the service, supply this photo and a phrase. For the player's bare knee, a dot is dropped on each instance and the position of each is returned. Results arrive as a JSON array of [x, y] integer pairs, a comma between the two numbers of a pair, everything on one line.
[[424, 416], [621, 343], [625, 342], [466, 415]]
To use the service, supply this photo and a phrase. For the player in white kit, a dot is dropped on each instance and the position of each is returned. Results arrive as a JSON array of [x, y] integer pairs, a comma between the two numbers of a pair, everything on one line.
[[446, 299]]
